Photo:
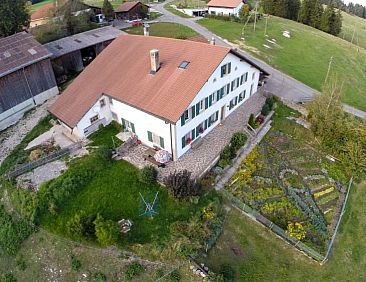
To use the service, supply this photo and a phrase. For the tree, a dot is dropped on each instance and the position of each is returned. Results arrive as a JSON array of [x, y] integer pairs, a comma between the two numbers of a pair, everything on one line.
[[244, 12], [106, 231], [311, 12], [331, 21], [293, 9], [14, 15], [107, 10]]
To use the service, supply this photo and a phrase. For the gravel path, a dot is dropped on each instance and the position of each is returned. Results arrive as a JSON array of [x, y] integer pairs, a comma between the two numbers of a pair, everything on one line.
[[11, 137]]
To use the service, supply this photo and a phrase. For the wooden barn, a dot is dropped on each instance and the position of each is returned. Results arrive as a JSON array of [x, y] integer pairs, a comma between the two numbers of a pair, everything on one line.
[[26, 76], [131, 11], [71, 54]]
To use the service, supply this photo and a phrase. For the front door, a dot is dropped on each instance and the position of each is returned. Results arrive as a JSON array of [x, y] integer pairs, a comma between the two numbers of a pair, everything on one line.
[[222, 117]]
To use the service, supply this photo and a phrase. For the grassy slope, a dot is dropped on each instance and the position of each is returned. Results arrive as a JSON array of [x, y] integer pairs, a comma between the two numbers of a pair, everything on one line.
[[356, 25], [305, 56], [172, 30], [267, 258], [38, 5], [189, 4], [115, 194], [175, 12]]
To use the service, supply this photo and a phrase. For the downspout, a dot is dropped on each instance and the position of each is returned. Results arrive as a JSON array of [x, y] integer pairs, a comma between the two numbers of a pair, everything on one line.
[[171, 141], [30, 90]]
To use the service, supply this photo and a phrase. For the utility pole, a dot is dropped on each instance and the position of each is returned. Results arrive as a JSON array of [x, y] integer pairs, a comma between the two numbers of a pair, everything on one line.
[[329, 66], [255, 14]]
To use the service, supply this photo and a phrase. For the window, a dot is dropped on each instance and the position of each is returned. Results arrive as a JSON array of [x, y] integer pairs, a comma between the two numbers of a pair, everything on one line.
[[156, 139], [127, 125], [110, 100], [186, 140], [242, 96], [94, 119], [183, 64], [202, 105], [213, 13], [253, 75], [233, 103], [225, 69], [102, 103], [200, 129], [213, 98], [212, 119]]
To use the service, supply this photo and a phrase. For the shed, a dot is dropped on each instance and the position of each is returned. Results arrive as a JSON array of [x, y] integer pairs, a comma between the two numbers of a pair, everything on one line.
[[26, 76], [71, 54], [131, 11]]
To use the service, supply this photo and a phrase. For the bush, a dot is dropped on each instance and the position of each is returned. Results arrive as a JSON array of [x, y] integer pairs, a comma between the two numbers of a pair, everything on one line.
[[133, 270], [181, 185], [270, 101], [251, 121], [238, 140], [175, 276], [7, 277], [75, 263], [107, 231], [148, 175], [81, 225], [227, 272], [74, 225], [265, 109], [100, 277]]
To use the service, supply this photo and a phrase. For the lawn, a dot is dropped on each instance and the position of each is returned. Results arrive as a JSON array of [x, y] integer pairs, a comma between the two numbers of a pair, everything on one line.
[[114, 192], [106, 136], [172, 30], [261, 256], [305, 56], [355, 27], [189, 4], [169, 8], [38, 5]]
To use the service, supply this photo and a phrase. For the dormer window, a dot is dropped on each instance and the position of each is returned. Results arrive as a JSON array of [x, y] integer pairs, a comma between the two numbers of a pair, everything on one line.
[[183, 65]]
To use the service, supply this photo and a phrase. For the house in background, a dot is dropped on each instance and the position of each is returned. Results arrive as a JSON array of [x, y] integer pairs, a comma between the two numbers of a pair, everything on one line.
[[225, 7], [71, 54], [131, 11], [26, 76], [169, 92]]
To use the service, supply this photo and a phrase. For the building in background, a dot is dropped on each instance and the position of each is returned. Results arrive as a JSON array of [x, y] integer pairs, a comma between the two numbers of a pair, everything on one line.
[[131, 11], [225, 7]]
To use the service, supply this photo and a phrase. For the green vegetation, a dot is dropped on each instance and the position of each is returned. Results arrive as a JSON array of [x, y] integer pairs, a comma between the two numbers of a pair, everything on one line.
[[237, 141], [354, 27], [148, 175], [188, 4], [133, 270], [19, 155], [256, 254], [295, 57], [172, 30], [169, 8], [35, 7], [99, 3], [106, 136]]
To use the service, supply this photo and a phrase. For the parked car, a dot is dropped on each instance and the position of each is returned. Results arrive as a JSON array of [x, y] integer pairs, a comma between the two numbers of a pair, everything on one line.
[[136, 22]]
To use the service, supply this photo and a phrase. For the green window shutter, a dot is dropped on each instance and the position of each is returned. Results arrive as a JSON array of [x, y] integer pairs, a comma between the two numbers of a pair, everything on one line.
[[206, 124], [246, 77], [236, 100], [193, 133], [218, 95], [198, 109], [193, 111], [228, 88], [182, 120], [183, 142], [217, 115], [229, 71], [232, 85], [209, 101], [206, 102], [133, 127], [198, 130], [221, 92], [222, 71], [237, 82], [123, 124], [149, 136], [161, 142], [241, 79], [245, 92]]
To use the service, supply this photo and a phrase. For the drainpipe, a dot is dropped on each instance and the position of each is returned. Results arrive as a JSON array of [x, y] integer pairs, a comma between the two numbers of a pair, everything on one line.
[[171, 141]]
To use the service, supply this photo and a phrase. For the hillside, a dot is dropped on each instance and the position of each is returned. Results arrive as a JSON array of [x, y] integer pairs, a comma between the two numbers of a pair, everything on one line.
[[305, 56], [354, 25]]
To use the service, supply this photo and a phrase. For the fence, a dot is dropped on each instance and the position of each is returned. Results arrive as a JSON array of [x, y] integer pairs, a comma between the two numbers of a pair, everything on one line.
[[41, 161], [273, 227]]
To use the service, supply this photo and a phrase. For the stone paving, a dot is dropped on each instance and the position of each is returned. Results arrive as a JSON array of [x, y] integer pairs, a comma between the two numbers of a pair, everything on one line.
[[200, 159]]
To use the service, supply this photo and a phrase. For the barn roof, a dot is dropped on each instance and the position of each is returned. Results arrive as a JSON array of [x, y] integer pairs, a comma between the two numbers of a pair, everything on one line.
[[81, 40], [18, 51], [122, 71], [127, 6]]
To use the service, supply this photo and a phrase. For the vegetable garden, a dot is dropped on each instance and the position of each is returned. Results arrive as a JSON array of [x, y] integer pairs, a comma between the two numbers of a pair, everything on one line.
[[292, 183]]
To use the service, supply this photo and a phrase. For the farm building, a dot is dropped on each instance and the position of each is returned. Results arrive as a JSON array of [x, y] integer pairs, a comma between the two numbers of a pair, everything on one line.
[[131, 11], [170, 93], [26, 76], [71, 54], [225, 7]]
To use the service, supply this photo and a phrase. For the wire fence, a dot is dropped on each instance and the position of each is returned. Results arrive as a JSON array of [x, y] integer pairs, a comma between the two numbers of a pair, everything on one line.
[[273, 227], [43, 160]]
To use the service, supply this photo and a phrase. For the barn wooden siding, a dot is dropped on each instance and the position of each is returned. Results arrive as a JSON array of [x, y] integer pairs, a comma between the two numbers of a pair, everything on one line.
[[26, 83]]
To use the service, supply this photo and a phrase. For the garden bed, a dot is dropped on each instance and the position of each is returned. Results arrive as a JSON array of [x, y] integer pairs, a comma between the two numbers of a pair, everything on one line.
[[289, 181]]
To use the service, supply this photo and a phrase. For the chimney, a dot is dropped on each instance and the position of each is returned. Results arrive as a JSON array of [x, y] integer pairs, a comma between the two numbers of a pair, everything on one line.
[[213, 41], [154, 59], [146, 29]]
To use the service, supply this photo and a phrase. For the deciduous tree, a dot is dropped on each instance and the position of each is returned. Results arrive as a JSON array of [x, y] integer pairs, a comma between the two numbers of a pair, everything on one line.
[[14, 16]]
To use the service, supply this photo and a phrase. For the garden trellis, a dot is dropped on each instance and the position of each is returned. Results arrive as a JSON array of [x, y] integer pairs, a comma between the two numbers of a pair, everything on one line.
[[149, 208]]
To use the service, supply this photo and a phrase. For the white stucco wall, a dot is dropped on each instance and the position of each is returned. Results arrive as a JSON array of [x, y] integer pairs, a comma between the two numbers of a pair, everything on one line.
[[225, 11], [214, 83]]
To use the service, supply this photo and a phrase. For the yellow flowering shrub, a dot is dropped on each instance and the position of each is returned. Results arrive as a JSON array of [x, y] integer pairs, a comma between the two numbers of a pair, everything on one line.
[[296, 230], [326, 191]]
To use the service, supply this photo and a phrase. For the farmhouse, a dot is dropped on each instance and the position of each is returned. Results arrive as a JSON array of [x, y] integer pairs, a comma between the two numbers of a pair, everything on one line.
[[168, 92], [225, 7], [26, 76], [71, 54], [131, 11]]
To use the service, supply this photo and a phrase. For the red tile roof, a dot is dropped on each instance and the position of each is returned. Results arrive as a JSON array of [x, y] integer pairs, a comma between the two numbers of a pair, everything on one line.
[[20, 50], [122, 71], [126, 6], [224, 3], [43, 12]]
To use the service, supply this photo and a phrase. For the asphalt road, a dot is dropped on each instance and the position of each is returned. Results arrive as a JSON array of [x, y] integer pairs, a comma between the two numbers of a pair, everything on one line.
[[279, 84]]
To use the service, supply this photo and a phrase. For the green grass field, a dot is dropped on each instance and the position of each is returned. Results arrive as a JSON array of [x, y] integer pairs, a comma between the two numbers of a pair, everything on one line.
[[261, 256], [171, 30], [175, 12], [189, 4], [354, 27], [99, 3], [38, 5], [305, 56]]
